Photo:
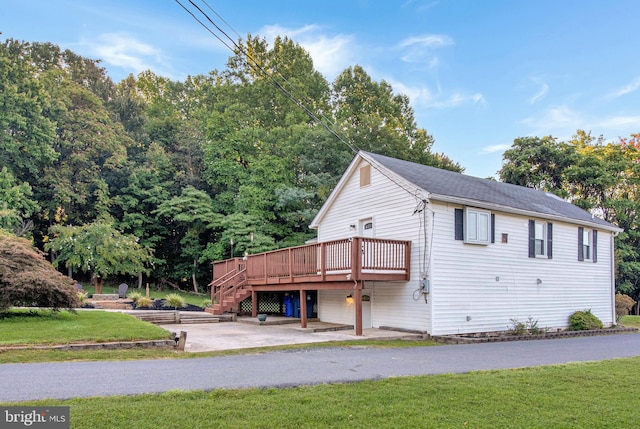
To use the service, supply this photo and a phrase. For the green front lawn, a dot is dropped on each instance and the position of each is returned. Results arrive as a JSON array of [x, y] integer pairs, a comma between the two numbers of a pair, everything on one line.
[[29, 327], [630, 321], [580, 395]]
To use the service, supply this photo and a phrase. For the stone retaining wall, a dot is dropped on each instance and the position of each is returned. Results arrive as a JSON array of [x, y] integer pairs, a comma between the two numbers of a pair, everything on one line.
[[99, 346]]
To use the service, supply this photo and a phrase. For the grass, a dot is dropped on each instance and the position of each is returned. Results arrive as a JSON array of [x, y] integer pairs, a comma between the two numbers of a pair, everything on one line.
[[630, 321], [580, 395], [30, 327], [34, 355]]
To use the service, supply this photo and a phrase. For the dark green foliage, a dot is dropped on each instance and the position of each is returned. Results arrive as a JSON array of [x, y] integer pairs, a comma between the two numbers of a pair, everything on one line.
[[584, 321], [187, 166], [27, 279]]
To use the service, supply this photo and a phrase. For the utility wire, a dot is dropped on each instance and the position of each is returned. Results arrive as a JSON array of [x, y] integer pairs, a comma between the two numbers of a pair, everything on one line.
[[252, 62]]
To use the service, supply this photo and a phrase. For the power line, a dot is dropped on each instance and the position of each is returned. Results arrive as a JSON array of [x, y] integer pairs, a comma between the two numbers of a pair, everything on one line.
[[252, 62]]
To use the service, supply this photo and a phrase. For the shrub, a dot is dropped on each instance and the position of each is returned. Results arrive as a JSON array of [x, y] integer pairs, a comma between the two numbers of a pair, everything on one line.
[[206, 303], [134, 296], [174, 300], [144, 302], [584, 321], [28, 279], [623, 305], [82, 297], [523, 328]]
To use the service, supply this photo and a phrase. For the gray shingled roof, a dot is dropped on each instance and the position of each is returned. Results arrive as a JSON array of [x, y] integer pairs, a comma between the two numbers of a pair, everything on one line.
[[446, 183]]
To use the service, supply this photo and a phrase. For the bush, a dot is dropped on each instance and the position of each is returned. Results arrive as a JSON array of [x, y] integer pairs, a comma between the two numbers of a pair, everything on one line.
[[584, 321], [530, 326], [144, 302], [134, 296], [174, 300], [28, 279], [82, 297], [623, 305], [206, 303]]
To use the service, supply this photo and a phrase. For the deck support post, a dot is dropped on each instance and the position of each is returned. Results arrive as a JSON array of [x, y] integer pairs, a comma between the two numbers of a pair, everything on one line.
[[303, 308], [358, 303], [254, 303]]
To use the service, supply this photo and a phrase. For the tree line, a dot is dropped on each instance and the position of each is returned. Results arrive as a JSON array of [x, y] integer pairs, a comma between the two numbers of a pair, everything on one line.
[[156, 176]]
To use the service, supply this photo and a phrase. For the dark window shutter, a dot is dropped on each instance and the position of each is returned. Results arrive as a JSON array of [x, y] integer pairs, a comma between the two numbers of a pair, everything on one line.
[[532, 239], [459, 224], [550, 240], [580, 244], [493, 228], [595, 246]]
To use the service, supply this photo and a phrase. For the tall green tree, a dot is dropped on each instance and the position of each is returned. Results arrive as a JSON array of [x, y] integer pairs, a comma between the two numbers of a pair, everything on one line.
[[375, 119], [17, 205], [194, 219], [27, 134], [99, 250]]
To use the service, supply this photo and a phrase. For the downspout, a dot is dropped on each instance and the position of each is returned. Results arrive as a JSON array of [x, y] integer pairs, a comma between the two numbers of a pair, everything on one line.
[[613, 278]]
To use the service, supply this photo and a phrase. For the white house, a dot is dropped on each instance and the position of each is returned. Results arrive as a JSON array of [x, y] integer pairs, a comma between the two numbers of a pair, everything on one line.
[[483, 253]]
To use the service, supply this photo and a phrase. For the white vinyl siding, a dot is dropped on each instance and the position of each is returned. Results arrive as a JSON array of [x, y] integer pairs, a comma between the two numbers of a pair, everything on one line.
[[473, 288], [481, 288], [390, 209]]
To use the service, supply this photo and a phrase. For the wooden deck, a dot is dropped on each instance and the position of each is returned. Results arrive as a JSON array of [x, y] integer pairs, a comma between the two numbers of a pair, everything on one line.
[[338, 264], [346, 260]]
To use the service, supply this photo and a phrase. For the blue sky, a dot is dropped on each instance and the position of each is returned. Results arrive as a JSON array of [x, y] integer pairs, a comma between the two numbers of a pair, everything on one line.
[[478, 73]]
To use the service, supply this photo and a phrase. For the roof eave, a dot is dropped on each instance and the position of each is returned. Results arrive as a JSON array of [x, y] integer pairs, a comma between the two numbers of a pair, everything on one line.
[[507, 209]]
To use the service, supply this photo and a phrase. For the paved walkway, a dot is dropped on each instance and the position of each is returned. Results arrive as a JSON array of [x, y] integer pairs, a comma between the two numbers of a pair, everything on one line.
[[22, 382]]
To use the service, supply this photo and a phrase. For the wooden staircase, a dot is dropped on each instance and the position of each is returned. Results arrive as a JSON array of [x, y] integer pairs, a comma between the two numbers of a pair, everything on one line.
[[228, 291]]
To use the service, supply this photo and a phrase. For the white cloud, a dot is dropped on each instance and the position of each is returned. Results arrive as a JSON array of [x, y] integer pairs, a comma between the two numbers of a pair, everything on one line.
[[495, 148], [562, 122], [555, 118], [330, 54], [427, 41], [424, 97], [617, 122], [457, 99], [544, 89], [634, 85], [123, 50], [420, 49]]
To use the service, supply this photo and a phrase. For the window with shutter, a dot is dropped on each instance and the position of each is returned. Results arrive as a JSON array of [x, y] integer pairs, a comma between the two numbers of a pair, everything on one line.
[[540, 239], [474, 226], [587, 244]]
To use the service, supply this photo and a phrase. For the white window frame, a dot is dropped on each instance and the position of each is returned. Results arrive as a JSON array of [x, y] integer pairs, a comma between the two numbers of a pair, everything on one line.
[[477, 226], [543, 239], [587, 252]]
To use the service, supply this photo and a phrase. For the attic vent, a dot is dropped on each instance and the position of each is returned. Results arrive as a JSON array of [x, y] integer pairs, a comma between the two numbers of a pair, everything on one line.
[[549, 194], [365, 176]]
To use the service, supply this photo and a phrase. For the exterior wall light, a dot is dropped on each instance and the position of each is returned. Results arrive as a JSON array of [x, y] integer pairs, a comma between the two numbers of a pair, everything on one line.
[[349, 299]]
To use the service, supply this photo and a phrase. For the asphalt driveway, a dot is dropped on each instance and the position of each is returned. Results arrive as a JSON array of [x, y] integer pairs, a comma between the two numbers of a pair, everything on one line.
[[292, 368]]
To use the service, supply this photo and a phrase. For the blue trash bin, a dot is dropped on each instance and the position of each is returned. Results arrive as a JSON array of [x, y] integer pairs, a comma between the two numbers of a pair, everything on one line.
[[288, 306], [296, 306]]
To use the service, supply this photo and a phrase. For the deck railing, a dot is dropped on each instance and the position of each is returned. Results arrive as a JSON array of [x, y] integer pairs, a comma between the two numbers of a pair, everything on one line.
[[359, 257]]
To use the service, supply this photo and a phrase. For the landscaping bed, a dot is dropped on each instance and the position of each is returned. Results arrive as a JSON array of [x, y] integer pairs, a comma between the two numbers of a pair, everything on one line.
[[491, 337], [158, 304]]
